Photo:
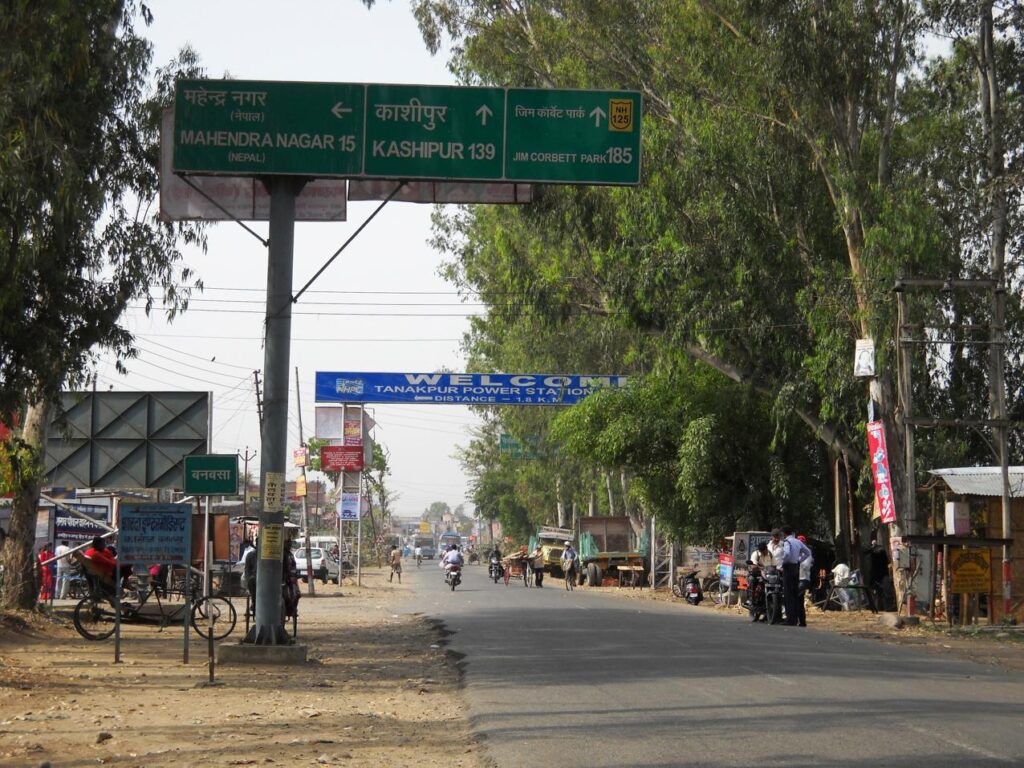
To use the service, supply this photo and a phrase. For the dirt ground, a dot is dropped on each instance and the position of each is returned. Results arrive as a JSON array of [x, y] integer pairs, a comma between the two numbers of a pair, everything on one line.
[[379, 689]]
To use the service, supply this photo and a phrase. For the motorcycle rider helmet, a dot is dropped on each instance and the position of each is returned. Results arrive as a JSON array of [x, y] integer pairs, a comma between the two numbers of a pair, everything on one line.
[[568, 543]]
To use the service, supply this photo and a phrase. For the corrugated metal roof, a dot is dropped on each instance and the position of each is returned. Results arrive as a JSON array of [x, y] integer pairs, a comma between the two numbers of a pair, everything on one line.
[[981, 481]]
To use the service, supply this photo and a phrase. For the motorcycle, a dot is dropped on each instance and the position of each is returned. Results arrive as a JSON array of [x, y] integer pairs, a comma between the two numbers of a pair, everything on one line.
[[453, 576], [773, 595], [756, 602], [494, 569], [688, 587]]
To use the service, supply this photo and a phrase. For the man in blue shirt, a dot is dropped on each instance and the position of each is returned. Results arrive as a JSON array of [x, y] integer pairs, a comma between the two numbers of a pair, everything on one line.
[[794, 552]]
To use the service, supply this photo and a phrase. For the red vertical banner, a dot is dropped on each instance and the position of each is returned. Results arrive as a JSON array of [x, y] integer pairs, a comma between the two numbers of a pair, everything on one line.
[[880, 472], [352, 427]]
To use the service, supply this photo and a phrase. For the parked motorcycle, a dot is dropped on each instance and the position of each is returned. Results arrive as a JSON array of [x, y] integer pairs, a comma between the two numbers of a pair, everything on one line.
[[453, 576], [756, 602], [773, 595], [688, 587], [494, 569]]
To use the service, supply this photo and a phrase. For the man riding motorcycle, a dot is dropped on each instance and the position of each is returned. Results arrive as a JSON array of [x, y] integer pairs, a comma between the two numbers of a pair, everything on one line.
[[452, 557]]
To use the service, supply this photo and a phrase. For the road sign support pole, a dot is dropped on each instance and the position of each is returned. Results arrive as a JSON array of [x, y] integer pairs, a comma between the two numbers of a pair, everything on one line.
[[268, 628]]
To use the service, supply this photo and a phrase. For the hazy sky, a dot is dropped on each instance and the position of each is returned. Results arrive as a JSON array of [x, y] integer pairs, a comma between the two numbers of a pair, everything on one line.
[[380, 306]]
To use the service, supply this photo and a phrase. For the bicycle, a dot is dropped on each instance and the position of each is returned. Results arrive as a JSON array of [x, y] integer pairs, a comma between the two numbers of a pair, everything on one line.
[[570, 576], [96, 614]]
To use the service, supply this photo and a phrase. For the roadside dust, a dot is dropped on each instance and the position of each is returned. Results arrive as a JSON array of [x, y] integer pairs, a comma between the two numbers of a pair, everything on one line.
[[379, 689]]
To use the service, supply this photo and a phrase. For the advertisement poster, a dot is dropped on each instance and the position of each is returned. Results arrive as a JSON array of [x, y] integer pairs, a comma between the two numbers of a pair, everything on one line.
[[880, 472], [725, 568], [349, 506], [353, 428]]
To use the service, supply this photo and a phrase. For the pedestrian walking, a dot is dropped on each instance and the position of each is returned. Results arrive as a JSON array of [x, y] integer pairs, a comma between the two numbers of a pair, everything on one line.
[[46, 573], [537, 561], [65, 570], [396, 564]]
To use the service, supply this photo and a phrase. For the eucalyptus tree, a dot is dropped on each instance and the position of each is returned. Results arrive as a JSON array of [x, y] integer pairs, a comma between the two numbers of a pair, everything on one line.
[[79, 140], [788, 181]]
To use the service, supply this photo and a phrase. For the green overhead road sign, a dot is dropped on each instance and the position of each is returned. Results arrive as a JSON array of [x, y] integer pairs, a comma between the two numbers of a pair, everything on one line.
[[212, 474], [347, 130], [434, 132], [241, 127], [573, 136]]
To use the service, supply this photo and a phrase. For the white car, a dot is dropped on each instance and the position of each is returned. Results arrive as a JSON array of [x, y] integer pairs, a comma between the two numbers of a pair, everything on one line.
[[324, 567]]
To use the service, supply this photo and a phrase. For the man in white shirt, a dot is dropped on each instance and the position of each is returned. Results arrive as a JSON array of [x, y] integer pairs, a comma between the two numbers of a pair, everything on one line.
[[454, 557], [63, 570], [775, 547], [794, 552]]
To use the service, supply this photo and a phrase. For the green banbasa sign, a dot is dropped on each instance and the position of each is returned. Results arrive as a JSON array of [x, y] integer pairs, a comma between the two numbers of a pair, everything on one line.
[[348, 130], [211, 474]]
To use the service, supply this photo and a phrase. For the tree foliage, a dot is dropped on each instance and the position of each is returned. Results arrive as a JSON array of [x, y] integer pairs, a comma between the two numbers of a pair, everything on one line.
[[79, 236], [798, 158]]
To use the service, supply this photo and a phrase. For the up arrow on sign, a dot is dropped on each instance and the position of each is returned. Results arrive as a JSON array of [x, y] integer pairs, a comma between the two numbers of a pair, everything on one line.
[[483, 113], [597, 113]]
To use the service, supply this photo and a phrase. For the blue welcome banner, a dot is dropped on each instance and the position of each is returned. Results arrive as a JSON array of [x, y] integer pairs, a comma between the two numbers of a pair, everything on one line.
[[460, 388]]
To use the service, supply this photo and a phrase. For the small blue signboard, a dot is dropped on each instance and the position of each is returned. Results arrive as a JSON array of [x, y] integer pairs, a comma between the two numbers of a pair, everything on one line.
[[155, 533], [460, 388]]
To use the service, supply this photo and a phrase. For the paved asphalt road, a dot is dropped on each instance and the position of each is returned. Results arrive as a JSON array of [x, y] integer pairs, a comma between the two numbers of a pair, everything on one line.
[[564, 679]]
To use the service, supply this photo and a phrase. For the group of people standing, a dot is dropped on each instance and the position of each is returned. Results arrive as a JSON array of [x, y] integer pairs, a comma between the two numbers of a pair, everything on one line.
[[790, 553]]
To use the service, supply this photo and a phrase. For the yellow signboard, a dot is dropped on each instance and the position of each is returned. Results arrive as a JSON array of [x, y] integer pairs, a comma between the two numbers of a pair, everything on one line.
[[300, 486], [970, 571], [424, 526], [273, 491], [271, 546]]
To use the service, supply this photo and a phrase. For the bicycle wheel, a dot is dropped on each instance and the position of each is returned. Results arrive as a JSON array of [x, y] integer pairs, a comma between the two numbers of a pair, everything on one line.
[[223, 613], [570, 581], [95, 617]]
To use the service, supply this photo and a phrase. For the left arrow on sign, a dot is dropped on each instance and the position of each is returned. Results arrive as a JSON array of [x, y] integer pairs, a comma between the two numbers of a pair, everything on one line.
[[483, 113], [339, 110]]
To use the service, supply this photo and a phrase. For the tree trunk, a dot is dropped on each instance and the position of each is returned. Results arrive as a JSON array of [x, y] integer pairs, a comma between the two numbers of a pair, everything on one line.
[[559, 502], [19, 587], [635, 513], [592, 501], [611, 495]]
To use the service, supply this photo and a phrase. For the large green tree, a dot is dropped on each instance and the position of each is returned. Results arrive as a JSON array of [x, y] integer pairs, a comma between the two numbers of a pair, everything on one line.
[[790, 176], [79, 236]]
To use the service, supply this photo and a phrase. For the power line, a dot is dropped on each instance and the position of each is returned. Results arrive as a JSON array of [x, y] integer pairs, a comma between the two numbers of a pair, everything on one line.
[[332, 340], [197, 357], [321, 314]]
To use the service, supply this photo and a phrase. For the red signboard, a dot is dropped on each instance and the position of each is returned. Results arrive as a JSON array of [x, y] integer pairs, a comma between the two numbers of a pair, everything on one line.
[[880, 472], [341, 458]]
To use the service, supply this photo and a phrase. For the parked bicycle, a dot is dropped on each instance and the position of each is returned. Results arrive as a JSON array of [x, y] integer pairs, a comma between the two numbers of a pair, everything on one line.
[[96, 614]]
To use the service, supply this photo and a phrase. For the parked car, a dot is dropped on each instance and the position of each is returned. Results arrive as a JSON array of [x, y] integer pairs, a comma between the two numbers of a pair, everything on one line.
[[320, 564]]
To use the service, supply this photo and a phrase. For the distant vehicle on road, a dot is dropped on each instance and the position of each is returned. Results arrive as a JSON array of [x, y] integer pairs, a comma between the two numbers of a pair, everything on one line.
[[428, 550], [320, 564]]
